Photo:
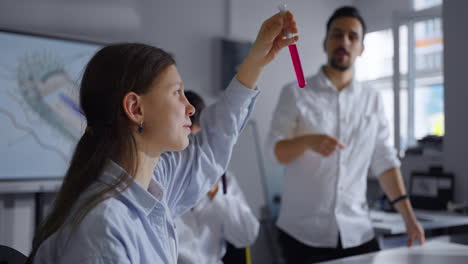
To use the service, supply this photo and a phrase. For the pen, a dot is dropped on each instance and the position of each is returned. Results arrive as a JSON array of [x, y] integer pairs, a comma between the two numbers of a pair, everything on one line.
[[223, 179]]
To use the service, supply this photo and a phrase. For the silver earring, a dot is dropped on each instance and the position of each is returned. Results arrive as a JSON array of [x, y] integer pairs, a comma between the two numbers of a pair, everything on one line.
[[140, 128]]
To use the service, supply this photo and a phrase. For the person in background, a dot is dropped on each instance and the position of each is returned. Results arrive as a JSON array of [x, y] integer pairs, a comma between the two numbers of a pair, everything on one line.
[[329, 135], [217, 218], [135, 167]]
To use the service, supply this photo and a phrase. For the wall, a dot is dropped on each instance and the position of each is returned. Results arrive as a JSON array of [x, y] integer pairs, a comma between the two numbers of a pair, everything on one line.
[[456, 94], [17, 220], [378, 14]]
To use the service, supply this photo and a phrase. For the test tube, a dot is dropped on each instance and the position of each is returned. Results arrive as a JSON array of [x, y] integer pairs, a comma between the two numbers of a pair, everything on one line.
[[294, 54]]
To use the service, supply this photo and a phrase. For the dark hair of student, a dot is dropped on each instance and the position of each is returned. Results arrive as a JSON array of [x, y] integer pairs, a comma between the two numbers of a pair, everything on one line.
[[113, 71], [347, 11], [197, 102]]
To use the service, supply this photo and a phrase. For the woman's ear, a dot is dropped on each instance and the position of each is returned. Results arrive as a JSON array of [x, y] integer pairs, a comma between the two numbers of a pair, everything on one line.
[[132, 106]]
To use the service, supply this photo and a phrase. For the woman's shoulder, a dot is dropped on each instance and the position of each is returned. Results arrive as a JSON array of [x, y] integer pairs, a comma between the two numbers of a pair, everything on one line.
[[103, 232], [110, 221]]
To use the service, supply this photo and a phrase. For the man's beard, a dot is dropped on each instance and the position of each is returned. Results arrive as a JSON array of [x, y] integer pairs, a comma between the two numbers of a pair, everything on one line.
[[342, 68]]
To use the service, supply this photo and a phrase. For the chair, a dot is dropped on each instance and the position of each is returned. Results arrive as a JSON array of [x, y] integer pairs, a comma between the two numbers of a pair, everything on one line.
[[10, 255], [235, 255]]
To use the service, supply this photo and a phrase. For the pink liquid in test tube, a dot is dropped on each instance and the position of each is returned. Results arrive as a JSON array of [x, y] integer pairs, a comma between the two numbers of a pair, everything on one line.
[[294, 54], [297, 65]]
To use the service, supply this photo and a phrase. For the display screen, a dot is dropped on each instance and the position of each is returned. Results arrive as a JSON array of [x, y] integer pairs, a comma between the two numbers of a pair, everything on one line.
[[40, 117]]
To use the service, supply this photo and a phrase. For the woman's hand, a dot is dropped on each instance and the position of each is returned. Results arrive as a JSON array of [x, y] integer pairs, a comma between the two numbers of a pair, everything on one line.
[[270, 40]]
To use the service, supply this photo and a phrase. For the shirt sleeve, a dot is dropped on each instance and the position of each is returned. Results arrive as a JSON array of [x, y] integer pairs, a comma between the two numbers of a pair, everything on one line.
[[384, 156], [284, 120], [189, 174], [240, 226]]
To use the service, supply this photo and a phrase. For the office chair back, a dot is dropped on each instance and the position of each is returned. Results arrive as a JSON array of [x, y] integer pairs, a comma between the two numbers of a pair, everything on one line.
[[235, 255]]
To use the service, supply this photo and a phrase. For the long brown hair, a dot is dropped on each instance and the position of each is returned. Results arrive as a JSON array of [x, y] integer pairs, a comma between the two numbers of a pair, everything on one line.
[[113, 71]]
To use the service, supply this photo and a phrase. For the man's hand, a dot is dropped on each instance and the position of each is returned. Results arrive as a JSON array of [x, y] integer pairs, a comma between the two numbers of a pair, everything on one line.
[[288, 150], [324, 144], [393, 185], [414, 231]]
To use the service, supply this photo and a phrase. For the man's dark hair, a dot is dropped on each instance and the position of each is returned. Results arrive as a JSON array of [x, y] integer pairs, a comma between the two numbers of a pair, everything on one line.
[[347, 11], [197, 102]]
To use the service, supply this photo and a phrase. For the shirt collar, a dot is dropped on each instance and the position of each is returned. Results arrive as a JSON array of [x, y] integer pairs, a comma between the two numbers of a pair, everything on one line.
[[143, 200], [326, 83]]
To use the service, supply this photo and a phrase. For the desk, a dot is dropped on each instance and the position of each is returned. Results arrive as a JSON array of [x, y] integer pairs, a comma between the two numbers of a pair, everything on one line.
[[392, 223], [433, 252]]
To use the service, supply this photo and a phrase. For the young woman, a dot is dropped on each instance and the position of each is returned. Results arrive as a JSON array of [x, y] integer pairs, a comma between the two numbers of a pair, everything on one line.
[[124, 185]]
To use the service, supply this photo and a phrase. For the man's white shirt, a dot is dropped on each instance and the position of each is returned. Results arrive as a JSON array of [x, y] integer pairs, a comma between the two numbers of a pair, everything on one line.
[[326, 196]]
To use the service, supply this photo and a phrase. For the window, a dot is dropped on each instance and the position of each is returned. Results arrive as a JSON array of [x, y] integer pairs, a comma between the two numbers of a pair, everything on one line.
[[423, 4], [421, 88], [378, 56], [429, 86]]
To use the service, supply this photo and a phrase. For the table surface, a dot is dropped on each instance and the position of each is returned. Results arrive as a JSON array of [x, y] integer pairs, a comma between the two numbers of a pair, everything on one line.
[[430, 253], [392, 223]]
